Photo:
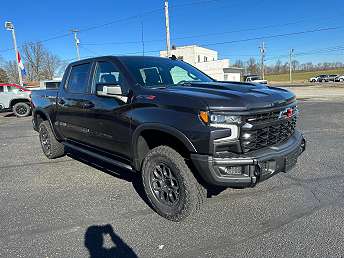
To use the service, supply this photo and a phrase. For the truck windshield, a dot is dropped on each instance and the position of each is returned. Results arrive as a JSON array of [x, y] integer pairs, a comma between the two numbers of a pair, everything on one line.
[[162, 72]]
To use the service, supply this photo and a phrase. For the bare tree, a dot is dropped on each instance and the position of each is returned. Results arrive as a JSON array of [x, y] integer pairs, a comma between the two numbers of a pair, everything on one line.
[[12, 71], [51, 65], [252, 66], [239, 63], [40, 64], [3, 76]]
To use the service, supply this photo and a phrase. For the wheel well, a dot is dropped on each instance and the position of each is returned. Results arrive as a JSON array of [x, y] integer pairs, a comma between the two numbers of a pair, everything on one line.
[[40, 117], [15, 101], [149, 139]]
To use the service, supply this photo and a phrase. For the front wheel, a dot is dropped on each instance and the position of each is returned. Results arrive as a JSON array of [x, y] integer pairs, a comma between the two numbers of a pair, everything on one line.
[[21, 109], [171, 188], [52, 149]]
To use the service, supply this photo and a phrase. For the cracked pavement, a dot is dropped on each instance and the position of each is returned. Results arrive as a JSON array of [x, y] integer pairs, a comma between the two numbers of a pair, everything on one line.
[[54, 208]]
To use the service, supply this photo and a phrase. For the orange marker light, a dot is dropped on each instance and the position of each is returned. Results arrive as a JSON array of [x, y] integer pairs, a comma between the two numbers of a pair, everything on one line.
[[204, 116]]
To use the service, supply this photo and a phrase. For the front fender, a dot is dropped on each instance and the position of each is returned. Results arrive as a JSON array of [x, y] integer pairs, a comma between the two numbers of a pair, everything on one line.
[[159, 127]]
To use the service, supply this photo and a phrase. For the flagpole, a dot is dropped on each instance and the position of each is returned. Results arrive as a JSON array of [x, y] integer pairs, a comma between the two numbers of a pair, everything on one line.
[[10, 26], [17, 57]]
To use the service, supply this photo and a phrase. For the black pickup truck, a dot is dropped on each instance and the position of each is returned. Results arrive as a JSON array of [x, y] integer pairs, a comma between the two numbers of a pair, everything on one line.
[[181, 130]]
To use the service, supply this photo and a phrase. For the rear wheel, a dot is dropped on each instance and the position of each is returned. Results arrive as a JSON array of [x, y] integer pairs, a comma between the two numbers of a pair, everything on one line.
[[171, 188], [50, 146], [21, 109]]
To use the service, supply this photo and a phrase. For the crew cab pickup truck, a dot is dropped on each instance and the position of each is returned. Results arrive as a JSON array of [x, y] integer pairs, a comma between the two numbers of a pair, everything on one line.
[[182, 131]]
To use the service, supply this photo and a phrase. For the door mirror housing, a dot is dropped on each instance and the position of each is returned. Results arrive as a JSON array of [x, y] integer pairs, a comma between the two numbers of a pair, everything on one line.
[[110, 90]]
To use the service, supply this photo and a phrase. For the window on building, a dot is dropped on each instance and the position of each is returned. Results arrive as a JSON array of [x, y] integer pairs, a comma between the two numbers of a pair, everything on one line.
[[226, 77], [199, 58], [1, 89], [78, 78], [205, 59]]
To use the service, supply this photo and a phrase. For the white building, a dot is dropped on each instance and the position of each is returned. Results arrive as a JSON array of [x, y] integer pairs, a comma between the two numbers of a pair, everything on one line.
[[207, 61]]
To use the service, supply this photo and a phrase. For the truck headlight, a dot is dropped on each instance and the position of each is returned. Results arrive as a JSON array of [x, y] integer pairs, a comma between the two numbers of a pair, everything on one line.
[[221, 120]]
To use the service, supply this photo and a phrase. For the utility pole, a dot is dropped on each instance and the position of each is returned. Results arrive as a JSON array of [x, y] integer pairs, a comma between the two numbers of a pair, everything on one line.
[[291, 52], [10, 26], [77, 43], [167, 21], [262, 54]]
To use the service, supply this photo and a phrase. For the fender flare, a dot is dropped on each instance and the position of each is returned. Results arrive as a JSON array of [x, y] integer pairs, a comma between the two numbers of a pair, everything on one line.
[[34, 119], [159, 127]]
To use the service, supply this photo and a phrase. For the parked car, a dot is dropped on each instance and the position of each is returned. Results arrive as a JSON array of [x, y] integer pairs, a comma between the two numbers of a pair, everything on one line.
[[324, 78], [166, 120], [15, 98], [255, 79], [332, 77], [314, 79], [339, 78]]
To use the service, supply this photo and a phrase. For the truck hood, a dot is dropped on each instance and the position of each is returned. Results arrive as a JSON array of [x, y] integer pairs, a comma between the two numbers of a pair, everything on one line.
[[235, 96]]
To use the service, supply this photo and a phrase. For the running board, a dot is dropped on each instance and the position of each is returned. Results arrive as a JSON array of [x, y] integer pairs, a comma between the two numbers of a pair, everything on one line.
[[97, 156]]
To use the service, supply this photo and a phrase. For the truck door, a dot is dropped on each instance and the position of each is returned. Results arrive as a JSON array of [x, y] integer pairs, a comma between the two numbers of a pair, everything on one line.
[[72, 102], [109, 119]]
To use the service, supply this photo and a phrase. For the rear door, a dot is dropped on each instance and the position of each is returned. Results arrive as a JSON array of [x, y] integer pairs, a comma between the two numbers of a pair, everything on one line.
[[74, 99]]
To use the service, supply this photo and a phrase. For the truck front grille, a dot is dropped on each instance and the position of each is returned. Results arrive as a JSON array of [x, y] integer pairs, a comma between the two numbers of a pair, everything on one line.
[[267, 129]]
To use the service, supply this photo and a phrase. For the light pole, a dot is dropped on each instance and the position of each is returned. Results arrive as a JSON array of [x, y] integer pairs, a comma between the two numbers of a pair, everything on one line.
[[9, 26]]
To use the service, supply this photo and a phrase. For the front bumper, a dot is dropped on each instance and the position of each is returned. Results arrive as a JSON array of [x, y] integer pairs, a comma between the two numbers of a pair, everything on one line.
[[251, 168]]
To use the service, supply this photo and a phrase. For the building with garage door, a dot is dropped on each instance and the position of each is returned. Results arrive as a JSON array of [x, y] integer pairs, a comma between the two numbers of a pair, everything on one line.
[[207, 61]]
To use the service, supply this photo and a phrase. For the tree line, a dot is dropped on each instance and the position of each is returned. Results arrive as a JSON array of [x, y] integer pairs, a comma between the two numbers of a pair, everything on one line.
[[252, 66], [40, 64]]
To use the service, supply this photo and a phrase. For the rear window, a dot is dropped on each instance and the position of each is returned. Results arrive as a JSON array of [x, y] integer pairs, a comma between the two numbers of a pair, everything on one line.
[[78, 78]]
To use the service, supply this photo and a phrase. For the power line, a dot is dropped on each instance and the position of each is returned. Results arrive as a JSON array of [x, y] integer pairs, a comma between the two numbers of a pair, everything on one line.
[[273, 36]]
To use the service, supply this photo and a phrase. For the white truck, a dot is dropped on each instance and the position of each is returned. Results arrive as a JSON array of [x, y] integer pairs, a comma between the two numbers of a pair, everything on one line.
[[15, 98], [255, 79]]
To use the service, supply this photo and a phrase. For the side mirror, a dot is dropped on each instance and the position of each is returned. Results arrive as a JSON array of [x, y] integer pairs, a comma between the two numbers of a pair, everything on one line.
[[108, 90]]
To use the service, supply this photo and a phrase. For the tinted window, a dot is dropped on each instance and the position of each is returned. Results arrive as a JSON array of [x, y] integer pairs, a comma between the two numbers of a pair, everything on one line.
[[152, 72], [78, 78], [13, 89], [108, 73], [52, 85]]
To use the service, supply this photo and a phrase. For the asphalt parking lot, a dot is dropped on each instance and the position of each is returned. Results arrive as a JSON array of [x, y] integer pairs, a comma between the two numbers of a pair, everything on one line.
[[64, 207]]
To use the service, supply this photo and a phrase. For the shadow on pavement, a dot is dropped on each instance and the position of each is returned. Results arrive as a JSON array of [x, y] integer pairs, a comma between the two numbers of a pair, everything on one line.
[[112, 170], [95, 240]]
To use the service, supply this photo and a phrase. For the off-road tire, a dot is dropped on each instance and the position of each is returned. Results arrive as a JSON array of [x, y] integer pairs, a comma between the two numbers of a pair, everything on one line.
[[52, 149], [191, 193], [21, 109]]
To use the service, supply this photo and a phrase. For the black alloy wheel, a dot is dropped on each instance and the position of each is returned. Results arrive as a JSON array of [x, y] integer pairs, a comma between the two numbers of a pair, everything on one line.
[[164, 185]]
